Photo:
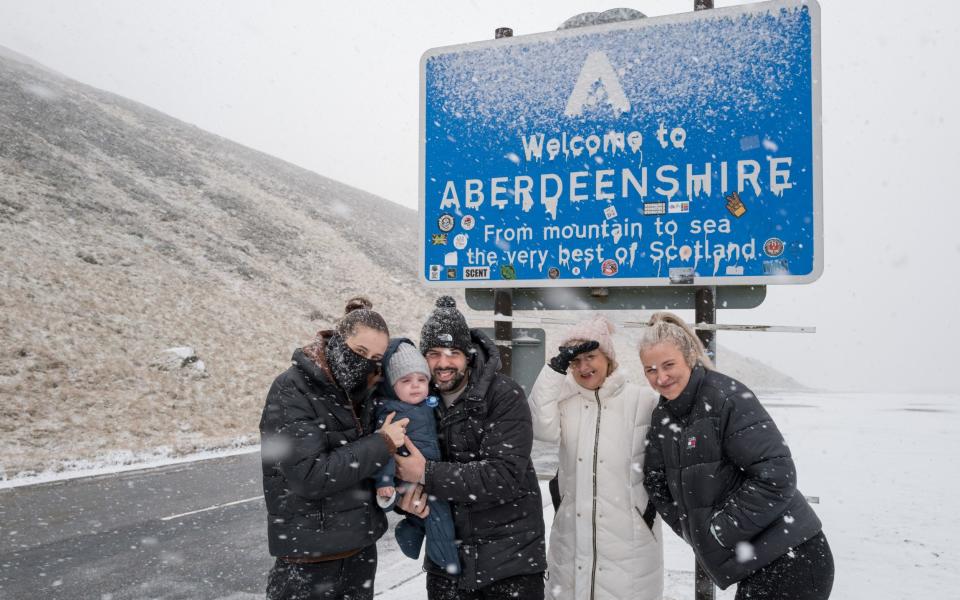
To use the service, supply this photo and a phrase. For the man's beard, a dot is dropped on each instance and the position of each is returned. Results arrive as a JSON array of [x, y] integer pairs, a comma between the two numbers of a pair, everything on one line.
[[451, 385]]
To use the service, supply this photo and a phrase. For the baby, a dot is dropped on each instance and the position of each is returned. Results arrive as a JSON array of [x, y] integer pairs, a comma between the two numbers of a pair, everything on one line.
[[405, 391]]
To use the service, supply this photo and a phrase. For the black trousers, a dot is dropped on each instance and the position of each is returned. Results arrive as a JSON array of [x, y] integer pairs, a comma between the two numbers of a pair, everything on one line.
[[349, 578], [806, 573], [526, 587]]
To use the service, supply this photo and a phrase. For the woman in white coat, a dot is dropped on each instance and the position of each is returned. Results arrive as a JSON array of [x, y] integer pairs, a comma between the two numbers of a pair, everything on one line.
[[605, 542]]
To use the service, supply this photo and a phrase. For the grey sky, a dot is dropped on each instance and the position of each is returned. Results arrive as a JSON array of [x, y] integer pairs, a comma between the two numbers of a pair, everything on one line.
[[334, 87]]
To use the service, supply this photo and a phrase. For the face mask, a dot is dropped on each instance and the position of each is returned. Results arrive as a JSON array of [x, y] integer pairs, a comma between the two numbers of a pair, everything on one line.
[[349, 368]]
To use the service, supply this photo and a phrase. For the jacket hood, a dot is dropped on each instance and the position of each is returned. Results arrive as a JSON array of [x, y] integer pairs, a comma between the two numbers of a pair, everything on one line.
[[312, 358], [484, 364]]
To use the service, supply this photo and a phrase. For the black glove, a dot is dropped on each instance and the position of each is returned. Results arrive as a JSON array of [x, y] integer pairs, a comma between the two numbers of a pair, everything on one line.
[[561, 362]]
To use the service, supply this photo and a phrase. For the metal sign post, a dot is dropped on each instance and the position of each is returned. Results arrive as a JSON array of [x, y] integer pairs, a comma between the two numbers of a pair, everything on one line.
[[705, 312], [503, 298]]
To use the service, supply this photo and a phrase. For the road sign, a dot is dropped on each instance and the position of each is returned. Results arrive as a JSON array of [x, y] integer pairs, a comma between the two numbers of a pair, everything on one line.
[[672, 150]]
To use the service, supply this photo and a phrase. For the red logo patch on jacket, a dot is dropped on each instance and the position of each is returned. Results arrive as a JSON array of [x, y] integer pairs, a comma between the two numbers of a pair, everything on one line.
[[691, 442]]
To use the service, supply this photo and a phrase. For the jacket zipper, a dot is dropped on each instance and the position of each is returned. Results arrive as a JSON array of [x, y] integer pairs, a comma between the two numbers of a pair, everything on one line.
[[353, 413], [596, 448]]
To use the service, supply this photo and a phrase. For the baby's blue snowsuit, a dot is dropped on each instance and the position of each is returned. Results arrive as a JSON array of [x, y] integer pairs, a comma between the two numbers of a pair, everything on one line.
[[422, 431]]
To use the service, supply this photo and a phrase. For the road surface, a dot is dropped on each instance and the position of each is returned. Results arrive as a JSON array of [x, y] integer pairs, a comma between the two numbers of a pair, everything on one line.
[[191, 531]]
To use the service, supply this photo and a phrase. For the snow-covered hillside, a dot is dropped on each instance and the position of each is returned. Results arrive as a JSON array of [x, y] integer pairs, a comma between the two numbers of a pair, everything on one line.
[[124, 232]]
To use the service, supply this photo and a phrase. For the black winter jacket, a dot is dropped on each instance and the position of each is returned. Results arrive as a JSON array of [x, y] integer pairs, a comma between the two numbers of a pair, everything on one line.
[[720, 473], [318, 459], [487, 475]]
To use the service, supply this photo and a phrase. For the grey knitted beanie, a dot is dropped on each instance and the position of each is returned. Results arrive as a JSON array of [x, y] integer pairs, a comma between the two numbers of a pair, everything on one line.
[[406, 359]]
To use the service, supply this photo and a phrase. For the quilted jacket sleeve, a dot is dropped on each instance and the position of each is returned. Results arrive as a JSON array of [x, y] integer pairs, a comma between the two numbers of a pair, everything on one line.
[[655, 478], [544, 404], [752, 442], [314, 462]]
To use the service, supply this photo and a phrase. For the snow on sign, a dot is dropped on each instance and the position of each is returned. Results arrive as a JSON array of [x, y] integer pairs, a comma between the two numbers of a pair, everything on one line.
[[680, 149]]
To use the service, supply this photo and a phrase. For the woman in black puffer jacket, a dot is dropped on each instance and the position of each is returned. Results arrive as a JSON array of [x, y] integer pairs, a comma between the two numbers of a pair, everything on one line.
[[721, 475], [319, 452]]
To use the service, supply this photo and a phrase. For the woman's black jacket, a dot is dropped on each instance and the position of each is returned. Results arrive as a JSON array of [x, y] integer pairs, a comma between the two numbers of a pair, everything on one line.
[[721, 475], [318, 460]]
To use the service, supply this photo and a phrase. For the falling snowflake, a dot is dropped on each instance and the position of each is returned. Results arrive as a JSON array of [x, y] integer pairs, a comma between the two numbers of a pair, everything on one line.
[[745, 552]]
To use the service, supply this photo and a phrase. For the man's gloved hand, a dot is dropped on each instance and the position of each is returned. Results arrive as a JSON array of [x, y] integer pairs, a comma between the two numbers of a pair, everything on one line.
[[561, 362]]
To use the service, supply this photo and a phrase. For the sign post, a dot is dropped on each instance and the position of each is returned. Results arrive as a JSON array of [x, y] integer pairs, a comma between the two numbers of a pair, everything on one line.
[[705, 312], [503, 298]]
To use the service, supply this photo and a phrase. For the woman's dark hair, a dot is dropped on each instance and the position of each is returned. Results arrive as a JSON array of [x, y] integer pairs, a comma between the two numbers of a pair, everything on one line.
[[359, 312]]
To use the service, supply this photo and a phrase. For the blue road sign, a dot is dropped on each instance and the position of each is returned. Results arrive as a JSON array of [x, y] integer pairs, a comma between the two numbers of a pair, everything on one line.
[[672, 150]]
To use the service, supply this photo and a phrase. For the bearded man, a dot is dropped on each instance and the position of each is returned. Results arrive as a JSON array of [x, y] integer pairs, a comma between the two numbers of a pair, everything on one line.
[[485, 472]]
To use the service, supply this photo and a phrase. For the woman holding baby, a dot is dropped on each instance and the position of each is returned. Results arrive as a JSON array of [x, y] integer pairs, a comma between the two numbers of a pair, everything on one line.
[[320, 448]]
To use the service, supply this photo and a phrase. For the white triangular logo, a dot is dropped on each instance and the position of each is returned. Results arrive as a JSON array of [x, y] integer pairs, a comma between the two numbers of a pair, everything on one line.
[[596, 68]]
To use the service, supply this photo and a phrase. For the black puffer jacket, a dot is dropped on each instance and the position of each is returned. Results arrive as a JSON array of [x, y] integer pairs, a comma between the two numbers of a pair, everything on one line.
[[486, 438], [318, 460], [720, 473]]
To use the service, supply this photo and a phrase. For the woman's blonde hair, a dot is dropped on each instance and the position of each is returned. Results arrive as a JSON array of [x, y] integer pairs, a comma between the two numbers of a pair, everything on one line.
[[668, 327]]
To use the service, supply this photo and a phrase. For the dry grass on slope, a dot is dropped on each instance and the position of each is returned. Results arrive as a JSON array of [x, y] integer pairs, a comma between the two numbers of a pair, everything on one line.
[[124, 232], [78, 339]]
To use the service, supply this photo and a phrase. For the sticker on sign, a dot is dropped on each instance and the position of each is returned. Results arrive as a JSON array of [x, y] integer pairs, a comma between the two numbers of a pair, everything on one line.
[[476, 273]]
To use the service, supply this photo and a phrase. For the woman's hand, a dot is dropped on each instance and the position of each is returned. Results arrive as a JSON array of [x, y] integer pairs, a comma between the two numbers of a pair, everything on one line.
[[414, 501], [395, 431], [561, 362]]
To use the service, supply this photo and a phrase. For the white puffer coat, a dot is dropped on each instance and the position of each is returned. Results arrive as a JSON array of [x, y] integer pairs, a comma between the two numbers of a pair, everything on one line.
[[600, 546]]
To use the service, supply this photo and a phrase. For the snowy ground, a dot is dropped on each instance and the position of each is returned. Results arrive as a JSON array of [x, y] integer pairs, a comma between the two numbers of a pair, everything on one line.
[[880, 466], [122, 461]]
